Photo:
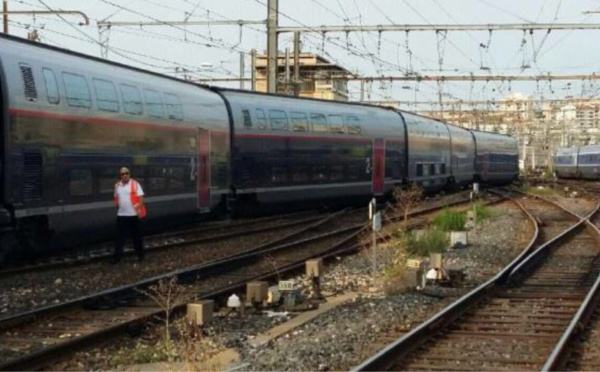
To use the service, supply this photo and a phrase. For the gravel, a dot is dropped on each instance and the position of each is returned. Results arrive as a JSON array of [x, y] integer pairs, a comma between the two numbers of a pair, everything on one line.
[[345, 336], [348, 334]]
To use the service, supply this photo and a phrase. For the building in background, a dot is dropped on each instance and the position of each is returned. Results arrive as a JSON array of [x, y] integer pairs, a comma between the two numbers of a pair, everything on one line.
[[316, 75]]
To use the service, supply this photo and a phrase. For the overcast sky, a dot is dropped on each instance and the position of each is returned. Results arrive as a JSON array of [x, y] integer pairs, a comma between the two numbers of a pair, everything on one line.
[[510, 52]]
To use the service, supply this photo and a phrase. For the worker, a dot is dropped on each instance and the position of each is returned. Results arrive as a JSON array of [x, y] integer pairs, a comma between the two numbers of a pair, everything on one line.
[[129, 199]]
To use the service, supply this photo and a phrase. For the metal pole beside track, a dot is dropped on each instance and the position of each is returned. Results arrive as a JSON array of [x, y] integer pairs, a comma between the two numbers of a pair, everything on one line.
[[5, 15]]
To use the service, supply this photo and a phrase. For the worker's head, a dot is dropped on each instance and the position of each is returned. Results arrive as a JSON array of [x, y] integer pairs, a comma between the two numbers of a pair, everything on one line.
[[124, 174]]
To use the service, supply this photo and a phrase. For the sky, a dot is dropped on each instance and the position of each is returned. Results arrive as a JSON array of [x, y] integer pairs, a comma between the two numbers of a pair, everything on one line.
[[214, 51]]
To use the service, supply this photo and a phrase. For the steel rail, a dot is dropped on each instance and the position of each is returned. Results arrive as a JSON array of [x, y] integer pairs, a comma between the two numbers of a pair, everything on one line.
[[560, 354], [385, 358], [129, 292], [36, 358]]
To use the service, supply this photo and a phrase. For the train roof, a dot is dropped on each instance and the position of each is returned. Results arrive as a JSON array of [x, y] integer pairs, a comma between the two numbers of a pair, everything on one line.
[[96, 59]]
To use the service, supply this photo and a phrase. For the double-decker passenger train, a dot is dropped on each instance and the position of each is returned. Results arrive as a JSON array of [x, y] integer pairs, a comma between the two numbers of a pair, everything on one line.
[[69, 121]]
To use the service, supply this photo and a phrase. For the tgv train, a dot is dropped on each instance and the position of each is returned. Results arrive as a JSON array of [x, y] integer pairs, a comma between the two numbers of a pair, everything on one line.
[[578, 162], [69, 121]]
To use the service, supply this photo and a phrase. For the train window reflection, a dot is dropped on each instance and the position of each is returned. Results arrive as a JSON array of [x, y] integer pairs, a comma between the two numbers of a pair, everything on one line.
[[80, 182], [299, 121], [174, 106], [279, 120], [319, 122], [51, 86], [132, 100], [261, 119], [247, 118], [106, 95], [154, 103], [77, 89], [353, 124], [336, 124]]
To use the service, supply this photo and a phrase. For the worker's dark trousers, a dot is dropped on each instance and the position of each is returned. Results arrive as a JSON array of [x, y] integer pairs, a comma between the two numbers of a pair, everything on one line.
[[129, 226]]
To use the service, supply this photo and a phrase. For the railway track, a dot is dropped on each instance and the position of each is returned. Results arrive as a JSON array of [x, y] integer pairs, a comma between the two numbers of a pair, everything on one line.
[[160, 242], [518, 319], [31, 339]]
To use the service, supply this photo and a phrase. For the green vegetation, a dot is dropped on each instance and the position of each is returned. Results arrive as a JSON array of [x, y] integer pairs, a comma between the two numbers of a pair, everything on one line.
[[431, 241], [482, 212], [534, 190], [450, 220]]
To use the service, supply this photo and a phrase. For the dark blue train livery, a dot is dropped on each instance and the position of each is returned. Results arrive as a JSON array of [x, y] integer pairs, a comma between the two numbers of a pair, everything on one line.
[[69, 121]]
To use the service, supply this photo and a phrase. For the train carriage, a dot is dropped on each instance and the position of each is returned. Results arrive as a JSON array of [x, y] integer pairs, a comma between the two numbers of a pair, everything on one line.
[[566, 162], [74, 120], [285, 148], [462, 145], [69, 121], [497, 158], [588, 162], [429, 152]]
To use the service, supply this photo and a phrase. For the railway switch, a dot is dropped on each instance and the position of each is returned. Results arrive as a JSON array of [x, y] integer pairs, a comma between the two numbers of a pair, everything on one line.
[[201, 312]]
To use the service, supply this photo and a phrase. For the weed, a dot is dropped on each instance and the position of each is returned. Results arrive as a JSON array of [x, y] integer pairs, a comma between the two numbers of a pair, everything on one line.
[[449, 220]]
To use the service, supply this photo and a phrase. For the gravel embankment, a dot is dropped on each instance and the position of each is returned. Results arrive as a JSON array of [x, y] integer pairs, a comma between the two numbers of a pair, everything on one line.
[[343, 337]]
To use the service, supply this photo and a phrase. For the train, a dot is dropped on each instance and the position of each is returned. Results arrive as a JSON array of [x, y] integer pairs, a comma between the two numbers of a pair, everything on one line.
[[578, 162], [69, 121]]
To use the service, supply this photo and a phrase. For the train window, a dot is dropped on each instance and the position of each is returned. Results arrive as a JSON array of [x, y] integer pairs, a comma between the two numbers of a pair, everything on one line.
[[107, 180], [353, 124], [247, 119], [80, 182], [319, 122], [261, 119], [154, 103], [443, 168], [337, 173], [176, 179], [353, 172], [320, 173], [300, 174], [432, 169], [132, 100], [52, 92], [299, 121], [279, 120], [77, 89], [156, 184], [278, 175], [419, 170], [336, 124], [174, 106], [28, 82], [106, 95]]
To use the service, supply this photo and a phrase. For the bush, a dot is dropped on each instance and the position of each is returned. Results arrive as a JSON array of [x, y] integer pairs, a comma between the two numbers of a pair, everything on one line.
[[450, 220], [432, 241], [482, 212]]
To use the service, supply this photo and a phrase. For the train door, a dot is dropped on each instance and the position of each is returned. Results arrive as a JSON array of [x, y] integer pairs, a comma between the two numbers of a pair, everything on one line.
[[378, 166], [203, 169]]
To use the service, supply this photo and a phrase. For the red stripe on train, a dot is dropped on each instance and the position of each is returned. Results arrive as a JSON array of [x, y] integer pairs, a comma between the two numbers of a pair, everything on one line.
[[100, 121]]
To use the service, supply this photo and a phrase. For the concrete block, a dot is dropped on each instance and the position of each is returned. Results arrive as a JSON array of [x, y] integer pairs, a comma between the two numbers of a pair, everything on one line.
[[273, 295], [458, 239], [257, 292], [418, 234], [411, 278], [314, 268], [201, 312], [435, 261]]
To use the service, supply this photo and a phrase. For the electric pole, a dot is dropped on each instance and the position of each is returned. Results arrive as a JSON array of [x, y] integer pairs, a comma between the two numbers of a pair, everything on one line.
[[297, 82], [5, 15], [272, 53]]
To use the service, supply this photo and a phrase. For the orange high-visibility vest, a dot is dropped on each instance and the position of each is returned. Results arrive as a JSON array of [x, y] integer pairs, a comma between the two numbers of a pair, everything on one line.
[[135, 199]]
